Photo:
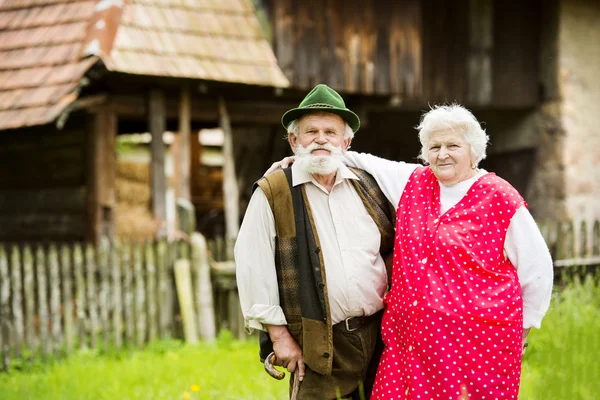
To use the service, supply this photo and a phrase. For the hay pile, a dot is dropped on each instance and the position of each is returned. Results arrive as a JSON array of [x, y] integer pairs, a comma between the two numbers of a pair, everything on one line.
[[133, 218]]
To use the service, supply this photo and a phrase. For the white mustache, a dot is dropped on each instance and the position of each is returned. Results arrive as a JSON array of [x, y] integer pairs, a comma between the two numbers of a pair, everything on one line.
[[304, 151]]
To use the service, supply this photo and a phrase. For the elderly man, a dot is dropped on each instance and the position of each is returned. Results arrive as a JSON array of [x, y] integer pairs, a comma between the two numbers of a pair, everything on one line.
[[309, 267]]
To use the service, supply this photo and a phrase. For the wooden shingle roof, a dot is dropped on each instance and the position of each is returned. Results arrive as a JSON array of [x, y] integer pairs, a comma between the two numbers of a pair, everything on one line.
[[47, 46]]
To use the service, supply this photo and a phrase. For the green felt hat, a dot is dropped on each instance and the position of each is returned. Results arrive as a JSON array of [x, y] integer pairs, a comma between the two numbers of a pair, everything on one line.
[[325, 99]]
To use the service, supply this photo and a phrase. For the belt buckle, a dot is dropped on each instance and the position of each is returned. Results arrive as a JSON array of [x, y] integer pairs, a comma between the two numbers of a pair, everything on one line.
[[348, 326]]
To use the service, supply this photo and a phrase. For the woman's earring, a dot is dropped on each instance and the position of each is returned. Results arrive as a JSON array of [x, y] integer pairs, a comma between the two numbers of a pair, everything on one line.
[[473, 166]]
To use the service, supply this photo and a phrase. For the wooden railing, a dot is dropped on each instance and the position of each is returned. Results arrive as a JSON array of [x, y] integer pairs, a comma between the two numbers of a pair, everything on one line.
[[572, 243], [55, 298]]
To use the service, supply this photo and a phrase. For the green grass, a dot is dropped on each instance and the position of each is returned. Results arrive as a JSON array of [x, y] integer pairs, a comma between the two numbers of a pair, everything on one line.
[[561, 363], [168, 370]]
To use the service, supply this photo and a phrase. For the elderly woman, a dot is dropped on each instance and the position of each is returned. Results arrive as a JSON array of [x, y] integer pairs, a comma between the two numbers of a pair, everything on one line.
[[471, 271]]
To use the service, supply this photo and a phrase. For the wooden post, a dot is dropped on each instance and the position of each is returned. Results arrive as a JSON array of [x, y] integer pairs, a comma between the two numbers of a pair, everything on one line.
[[127, 293], [185, 124], [203, 288], [157, 124], [101, 174], [183, 280], [230, 186], [480, 54], [104, 298]]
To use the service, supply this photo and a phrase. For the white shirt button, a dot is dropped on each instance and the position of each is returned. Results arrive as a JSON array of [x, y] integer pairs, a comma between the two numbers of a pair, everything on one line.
[[436, 220], [415, 303], [424, 261], [409, 348]]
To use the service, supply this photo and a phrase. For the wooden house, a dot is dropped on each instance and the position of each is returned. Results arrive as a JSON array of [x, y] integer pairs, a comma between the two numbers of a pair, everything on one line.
[[525, 68], [74, 74]]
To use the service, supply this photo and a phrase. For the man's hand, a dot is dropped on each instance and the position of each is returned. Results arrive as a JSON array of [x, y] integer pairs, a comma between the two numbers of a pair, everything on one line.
[[286, 162], [287, 352]]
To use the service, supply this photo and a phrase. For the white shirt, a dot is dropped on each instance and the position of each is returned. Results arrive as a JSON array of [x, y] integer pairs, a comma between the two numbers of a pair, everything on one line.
[[349, 239], [524, 244]]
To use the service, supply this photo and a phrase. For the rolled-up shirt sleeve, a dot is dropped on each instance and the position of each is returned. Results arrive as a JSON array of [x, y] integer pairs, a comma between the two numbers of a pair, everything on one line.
[[528, 252], [254, 254]]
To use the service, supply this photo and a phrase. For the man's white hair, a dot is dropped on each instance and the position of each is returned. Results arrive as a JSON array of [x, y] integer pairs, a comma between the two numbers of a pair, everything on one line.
[[294, 127], [453, 117]]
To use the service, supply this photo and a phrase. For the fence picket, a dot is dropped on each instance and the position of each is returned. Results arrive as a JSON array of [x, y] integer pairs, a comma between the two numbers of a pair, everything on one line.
[[67, 300], [80, 297], [116, 295], [151, 290], [161, 294], [128, 292], [17, 300], [29, 296], [582, 250], [103, 302], [5, 326], [42, 296], [92, 299], [139, 303], [55, 312], [596, 239]]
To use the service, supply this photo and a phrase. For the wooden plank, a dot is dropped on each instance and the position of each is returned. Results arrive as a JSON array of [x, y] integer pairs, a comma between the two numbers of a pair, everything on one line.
[[104, 303], [596, 238], [29, 296], [67, 301], [128, 294], [42, 301], [55, 304], [40, 226], [92, 296], [283, 23], [50, 200], [230, 186], [116, 294], [80, 298], [203, 288], [150, 268], [183, 281], [516, 53], [480, 55], [185, 125], [101, 174], [5, 318], [17, 299], [157, 124], [140, 296]]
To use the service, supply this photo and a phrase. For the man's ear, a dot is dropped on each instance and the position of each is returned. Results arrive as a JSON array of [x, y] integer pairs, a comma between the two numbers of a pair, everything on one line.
[[346, 144], [293, 141]]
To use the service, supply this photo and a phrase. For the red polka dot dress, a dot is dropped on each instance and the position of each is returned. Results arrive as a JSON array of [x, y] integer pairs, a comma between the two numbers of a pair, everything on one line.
[[454, 314]]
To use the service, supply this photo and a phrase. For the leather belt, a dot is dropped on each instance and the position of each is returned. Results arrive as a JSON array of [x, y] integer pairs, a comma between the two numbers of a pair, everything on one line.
[[353, 323]]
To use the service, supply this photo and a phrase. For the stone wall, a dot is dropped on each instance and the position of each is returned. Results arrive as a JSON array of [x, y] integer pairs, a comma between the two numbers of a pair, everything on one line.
[[579, 39]]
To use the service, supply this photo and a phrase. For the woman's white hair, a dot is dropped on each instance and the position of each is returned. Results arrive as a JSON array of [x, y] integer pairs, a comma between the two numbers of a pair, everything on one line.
[[453, 116], [294, 126]]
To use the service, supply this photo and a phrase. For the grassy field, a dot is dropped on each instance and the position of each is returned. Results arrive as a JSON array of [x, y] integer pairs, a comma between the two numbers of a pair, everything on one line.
[[561, 363]]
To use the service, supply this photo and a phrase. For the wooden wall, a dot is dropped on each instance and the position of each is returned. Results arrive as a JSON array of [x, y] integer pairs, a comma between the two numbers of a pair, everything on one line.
[[477, 52], [42, 183]]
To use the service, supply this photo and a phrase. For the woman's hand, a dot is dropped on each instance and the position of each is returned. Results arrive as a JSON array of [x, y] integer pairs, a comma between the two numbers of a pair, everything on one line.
[[286, 162]]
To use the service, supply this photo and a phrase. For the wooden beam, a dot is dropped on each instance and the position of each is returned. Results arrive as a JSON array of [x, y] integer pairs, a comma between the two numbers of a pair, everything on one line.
[[157, 123], [101, 174], [230, 187], [480, 53], [185, 123]]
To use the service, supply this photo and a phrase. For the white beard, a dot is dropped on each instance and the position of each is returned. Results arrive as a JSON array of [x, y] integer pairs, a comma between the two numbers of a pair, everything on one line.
[[320, 165]]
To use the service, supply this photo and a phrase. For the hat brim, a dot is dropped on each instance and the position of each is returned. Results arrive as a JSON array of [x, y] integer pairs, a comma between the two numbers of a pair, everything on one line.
[[347, 115]]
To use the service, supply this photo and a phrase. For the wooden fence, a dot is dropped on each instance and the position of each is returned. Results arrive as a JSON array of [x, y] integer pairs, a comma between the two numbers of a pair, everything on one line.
[[55, 298]]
